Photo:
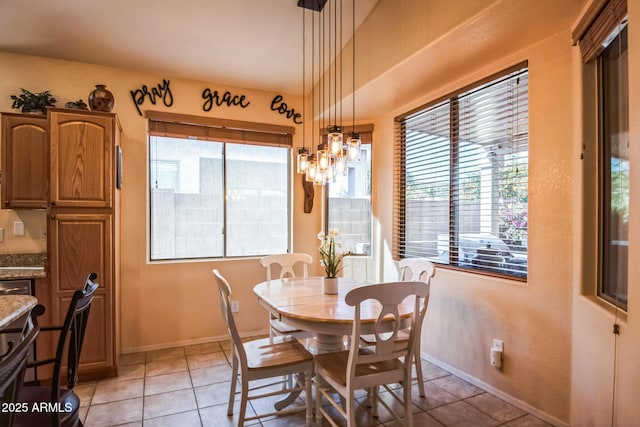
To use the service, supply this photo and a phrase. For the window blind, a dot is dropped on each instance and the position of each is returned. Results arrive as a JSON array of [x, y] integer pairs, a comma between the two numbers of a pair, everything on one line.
[[460, 178], [221, 130], [597, 24]]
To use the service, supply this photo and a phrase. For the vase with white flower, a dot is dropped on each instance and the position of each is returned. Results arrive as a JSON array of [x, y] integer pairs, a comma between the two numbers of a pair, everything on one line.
[[331, 255]]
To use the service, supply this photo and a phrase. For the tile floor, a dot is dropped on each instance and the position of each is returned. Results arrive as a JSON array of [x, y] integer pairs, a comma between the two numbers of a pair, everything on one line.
[[188, 386]]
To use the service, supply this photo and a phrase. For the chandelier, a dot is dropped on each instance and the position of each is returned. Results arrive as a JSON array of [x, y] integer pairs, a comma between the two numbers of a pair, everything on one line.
[[335, 152]]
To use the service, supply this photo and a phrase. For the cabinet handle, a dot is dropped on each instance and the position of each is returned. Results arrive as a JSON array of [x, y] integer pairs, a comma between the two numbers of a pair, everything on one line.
[[53, 216], [53, 203]]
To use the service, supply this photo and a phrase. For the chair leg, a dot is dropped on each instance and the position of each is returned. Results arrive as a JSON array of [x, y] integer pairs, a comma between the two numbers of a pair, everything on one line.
[[234, 382], [408, 413], [243, 401], [318, 400], [351, 410], [308, 395], [418, 362]]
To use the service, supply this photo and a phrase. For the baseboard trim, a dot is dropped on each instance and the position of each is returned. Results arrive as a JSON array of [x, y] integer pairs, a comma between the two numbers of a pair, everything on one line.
[[498, 393], [190, 342]]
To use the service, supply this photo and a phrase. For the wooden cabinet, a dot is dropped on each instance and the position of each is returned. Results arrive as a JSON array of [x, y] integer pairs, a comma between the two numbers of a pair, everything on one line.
[[83, 216], [82, 148], [82, 243], [25, 161]]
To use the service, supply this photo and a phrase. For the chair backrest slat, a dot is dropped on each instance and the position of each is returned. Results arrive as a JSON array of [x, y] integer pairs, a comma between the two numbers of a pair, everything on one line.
[[224, 290], [286, 263]]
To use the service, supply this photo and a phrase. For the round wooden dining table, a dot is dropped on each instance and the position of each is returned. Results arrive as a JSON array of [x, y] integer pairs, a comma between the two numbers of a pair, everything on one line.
[[301, 303]]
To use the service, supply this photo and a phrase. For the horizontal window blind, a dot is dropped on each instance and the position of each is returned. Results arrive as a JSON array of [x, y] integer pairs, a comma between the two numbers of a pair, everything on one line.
[[221, 130], [461, 173]]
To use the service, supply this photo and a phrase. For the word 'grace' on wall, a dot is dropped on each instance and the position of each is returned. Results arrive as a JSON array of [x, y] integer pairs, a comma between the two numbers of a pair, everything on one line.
[[211, 98]]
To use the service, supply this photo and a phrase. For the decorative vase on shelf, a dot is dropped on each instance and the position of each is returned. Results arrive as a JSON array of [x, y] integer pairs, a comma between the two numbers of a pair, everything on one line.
[[330, 285], [100, 99]]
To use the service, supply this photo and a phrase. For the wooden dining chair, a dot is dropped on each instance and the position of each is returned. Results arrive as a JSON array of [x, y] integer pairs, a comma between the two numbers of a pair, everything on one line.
[[58, 392], [287, 263], [387, 360], [264, 358], [419, 270], [12, 368]]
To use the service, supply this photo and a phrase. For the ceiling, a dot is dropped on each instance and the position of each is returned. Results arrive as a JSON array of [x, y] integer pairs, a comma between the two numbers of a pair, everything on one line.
[[247, 43], [257, 44]]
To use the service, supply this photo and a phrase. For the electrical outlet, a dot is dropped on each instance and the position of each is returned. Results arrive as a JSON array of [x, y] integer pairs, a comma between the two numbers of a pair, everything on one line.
[[498, 345], [235, 306]]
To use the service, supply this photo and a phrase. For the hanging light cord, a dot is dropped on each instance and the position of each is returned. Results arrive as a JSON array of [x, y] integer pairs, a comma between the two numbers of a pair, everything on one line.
[[353, 68], [304, 75]]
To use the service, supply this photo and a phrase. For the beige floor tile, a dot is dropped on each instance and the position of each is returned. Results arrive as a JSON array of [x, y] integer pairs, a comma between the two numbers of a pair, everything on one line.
[[117, 390], [167, 382], [207, 360], [114, 413], [461, 414], [82, 413], [208, 347], [495, 408], [85, 392], [214, 394], [183, 419], [421, 419], [216, 416], [168, 366], [431, 371], [215, 374], [173, 402], [132, 358], [164, 354], [434, 396], [128, 372], [527, 421], [458, 387]]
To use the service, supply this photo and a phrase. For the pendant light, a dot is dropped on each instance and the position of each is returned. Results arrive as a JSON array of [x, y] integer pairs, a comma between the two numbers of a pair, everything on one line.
[[303, 153], [333, 153], [353, 142]]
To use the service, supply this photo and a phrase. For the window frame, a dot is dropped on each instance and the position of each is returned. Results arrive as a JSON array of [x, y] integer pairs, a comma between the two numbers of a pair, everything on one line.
[[223, 131], [400, 173], [604, 182], [366, 138]]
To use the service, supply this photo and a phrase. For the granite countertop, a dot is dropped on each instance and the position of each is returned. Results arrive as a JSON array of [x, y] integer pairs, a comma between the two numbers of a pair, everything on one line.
[[22, 266], [14, 306]]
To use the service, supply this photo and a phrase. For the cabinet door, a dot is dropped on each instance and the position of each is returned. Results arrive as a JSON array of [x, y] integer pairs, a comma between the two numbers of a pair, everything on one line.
[[81, 159], [25, 161], [83, 244]]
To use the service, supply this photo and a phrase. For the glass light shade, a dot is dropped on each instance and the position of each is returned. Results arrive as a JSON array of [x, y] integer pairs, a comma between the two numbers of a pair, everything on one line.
[[303, 160], [319, 177], [331, 170], [311, 171], [322, 159], [341, 163], [353, 147], [335, 140]]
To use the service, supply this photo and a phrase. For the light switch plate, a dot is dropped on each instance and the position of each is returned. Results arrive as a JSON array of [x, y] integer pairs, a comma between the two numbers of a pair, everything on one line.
[[18, 228]]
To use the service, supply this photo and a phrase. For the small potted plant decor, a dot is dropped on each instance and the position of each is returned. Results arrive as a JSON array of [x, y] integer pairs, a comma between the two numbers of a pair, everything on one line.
[[30, 102], [331, 255]]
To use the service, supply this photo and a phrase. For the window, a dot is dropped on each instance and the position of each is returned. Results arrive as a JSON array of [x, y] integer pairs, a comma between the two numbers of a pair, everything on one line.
[[461, 178], [216, 190], [349, 201], [614, 168]]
